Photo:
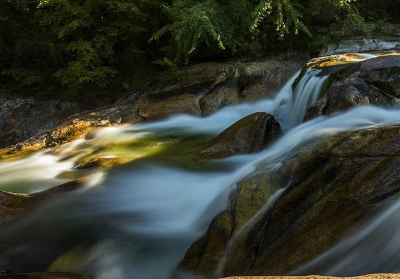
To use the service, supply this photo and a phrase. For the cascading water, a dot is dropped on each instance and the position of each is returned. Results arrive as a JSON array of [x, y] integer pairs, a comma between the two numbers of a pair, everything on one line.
[[139, 219], [305, 94]]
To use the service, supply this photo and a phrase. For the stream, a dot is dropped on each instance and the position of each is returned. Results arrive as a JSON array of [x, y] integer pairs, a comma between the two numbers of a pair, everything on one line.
[[138, 219]]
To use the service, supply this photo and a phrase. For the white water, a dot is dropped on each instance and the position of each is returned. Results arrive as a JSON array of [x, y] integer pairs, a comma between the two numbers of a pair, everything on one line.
[[141, 217], [305, 94]]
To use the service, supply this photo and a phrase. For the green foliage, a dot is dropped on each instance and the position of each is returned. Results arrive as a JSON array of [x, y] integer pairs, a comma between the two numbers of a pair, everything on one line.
[[170, 73], [352, 17], [284, 15], [192, 24], [81, 46], [93, 30], [23, 76], [237, 25]]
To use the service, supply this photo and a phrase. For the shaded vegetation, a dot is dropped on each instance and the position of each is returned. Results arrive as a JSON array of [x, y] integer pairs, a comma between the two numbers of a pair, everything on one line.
[[101, 48]]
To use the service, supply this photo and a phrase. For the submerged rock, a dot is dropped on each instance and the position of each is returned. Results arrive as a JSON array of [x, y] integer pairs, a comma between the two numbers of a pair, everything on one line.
[[13, 206], [334, 183], [371, 82], [248, 135]]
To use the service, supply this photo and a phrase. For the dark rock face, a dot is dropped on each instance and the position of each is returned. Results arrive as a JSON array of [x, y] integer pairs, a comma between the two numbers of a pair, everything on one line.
[[372, 82], [205, 88], [334, 184], [21, 118], [248, 135]]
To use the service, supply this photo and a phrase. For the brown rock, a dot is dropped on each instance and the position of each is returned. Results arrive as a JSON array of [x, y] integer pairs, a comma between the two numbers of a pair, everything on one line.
[[371, 82], [248, 135], [159, 109], [207, 253], [224, 94], [334, 183]]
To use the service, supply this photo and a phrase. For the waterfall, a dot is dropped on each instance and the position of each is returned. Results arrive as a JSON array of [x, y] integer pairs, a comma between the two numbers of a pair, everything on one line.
[[137, 220], [305, 94]]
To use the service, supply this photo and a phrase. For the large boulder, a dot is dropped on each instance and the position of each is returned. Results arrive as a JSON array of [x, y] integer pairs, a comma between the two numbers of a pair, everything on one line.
[[334, 183], [372, 82], [248, 135]]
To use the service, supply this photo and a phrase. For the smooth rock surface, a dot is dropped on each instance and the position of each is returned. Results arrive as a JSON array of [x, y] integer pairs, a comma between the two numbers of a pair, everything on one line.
[[334, 184], [248, 135]]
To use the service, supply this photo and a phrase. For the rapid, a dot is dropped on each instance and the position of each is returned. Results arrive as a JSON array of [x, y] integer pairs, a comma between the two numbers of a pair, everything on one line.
[[138, 219]]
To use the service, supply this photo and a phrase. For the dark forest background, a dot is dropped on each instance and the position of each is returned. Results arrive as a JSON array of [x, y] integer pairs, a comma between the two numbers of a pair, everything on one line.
[[74, 48]]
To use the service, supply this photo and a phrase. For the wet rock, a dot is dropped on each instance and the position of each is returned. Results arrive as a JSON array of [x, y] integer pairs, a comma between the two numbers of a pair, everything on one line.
[[336, 59], [206, 255], [13, 206], [263, 78], [371, 82], [158, 109], [43, 275], [73, 127], [248, 135], [224, 94], [334, 184]]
